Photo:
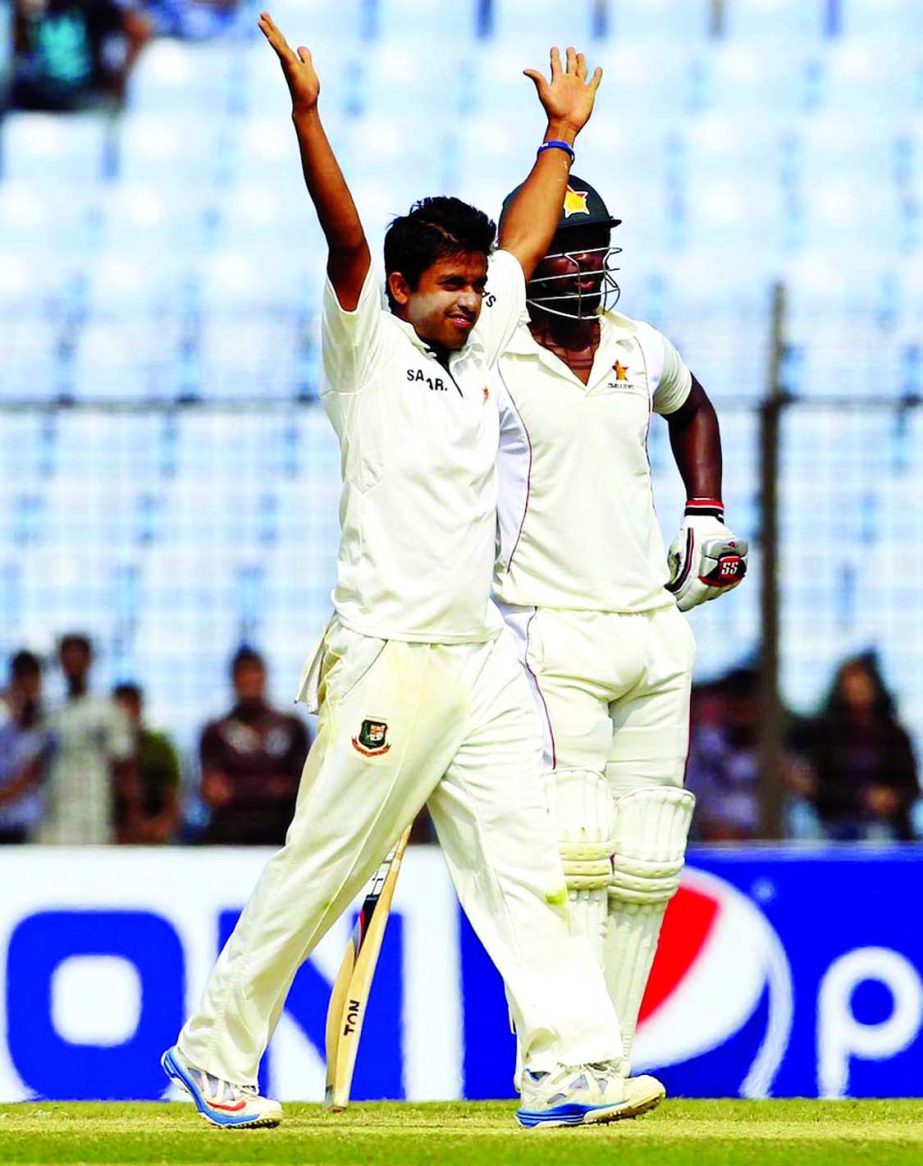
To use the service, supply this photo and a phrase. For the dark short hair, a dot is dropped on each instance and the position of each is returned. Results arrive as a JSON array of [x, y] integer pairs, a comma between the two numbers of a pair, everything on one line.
[[24, 664], [128, 690], [246, 657], [435, 228], [76, 640]]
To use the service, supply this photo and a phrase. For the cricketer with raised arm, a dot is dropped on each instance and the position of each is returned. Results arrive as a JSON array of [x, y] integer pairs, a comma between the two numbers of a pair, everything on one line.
[[420, 696]]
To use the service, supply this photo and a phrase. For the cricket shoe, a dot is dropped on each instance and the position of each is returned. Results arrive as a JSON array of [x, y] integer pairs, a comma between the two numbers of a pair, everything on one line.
[[220, 1102], [585, 1095]]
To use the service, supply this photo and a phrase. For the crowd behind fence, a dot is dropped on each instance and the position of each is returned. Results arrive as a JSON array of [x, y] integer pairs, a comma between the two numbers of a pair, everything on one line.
[[172, 537]]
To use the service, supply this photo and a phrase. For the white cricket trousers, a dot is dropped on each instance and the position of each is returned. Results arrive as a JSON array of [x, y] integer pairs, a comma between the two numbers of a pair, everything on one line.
[[403, 724], [612, 690]]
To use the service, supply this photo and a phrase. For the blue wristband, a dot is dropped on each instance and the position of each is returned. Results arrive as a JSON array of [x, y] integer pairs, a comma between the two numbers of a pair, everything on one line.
[[554, 144]]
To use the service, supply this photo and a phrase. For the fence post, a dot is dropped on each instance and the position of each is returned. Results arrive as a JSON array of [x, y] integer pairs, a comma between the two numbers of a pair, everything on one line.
[[772, 793]]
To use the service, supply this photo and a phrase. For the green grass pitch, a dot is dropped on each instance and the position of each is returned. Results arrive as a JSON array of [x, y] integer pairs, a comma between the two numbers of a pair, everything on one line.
[[680, 1133]]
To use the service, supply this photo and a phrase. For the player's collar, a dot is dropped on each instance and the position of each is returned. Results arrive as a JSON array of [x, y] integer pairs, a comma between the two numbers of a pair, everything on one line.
[[424, 346], [410, 332], [613, 326]]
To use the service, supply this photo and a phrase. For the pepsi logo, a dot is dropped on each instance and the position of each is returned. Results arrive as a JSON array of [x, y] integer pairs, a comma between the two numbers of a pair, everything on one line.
[[718, 960]]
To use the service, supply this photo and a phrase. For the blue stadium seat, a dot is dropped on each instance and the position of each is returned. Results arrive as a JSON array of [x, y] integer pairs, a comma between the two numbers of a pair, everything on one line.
[[739, 211], [816, 290], [661, 21], [252, 360], [822, 371], [128, 285], [860, 147], [322, 22], [264, 149], [432, 27], [173, 77], [777, 22], [410, 155], [273, 215], [843, 213], [714, 306], [157, 222], [898, 20], [120, 361], [749, 78], [51, 287], [30, 358], [254, 279], [160, 150], [866, 78], [401, 84], [645, 81], [721, 145], [39, 216], [493, 152], [533, 26], [52, 149], [492, 82]]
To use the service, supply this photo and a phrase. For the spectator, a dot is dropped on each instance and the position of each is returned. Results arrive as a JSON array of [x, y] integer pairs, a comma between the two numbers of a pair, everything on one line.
[[723, 768], [73, 54], [91, 758], [865, 773], [158, 815], [21, 745], [251, 763]]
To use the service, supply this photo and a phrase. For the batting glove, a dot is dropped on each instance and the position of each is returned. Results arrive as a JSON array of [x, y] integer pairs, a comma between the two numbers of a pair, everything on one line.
[[705, 559]]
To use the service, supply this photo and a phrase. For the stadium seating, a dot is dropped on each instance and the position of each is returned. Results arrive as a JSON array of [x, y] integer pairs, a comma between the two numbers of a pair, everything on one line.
[[170, 256], [49, 150]]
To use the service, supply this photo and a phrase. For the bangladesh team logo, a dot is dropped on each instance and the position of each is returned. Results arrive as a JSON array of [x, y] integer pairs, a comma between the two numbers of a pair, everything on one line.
[[372, 738]]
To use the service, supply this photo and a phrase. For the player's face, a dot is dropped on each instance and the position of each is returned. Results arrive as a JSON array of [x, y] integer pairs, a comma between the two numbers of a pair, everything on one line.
[[573, 269], [446, 303]]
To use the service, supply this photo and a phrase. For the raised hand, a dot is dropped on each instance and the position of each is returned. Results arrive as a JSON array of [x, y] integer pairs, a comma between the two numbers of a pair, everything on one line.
[[298, 67], [568, 97]]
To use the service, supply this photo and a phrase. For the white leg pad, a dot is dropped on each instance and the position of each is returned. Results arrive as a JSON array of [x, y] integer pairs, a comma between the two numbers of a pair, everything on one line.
[[650, 829], [581, 812]]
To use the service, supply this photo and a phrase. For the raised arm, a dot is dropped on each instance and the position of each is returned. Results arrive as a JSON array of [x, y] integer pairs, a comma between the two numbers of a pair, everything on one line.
[[567, 99], [348, 257]]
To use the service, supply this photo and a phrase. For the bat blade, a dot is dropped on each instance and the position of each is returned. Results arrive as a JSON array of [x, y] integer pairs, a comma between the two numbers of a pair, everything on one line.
[[350, 994]]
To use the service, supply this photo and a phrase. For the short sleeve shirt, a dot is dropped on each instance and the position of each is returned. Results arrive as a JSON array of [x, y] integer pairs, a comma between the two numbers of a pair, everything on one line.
[[418, 444], [577, 527]]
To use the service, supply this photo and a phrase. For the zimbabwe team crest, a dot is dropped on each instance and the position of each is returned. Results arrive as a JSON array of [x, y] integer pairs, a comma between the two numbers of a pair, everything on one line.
[[372, 739]]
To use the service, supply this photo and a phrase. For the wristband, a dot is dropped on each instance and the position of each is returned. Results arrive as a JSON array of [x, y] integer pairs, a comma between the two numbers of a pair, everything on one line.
[[555, 144], [705, 507]]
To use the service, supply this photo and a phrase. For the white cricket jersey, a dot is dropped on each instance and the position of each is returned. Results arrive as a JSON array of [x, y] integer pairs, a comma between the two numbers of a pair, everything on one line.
[[577, 527], [418, 444]]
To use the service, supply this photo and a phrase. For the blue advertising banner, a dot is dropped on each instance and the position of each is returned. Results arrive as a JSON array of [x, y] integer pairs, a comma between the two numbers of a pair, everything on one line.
[[780, 973]]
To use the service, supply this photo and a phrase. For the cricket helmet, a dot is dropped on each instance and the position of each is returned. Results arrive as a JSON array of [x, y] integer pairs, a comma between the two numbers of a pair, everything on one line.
[[583, 207]]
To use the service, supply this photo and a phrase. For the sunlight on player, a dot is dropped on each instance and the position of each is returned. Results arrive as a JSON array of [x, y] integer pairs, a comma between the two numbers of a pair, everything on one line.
[[583, 580], [420, 696]]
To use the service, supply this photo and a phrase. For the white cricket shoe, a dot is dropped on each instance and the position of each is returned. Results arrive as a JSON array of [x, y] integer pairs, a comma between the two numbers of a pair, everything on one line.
[[585, 1095], [220, 1102]]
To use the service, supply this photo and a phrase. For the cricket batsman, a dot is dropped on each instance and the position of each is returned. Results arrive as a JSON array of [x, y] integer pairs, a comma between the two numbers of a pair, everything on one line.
[[584, 582], [420, 694]]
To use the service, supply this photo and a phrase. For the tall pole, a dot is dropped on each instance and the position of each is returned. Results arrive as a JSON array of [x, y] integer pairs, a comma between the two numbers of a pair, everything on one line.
[[772, 794]]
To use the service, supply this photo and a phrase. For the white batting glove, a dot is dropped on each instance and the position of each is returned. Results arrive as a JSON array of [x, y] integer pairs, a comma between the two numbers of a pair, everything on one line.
[[705, 559]]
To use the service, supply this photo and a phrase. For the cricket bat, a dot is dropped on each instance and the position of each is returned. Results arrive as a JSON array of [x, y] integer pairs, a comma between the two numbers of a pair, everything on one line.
[[350, 995]]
